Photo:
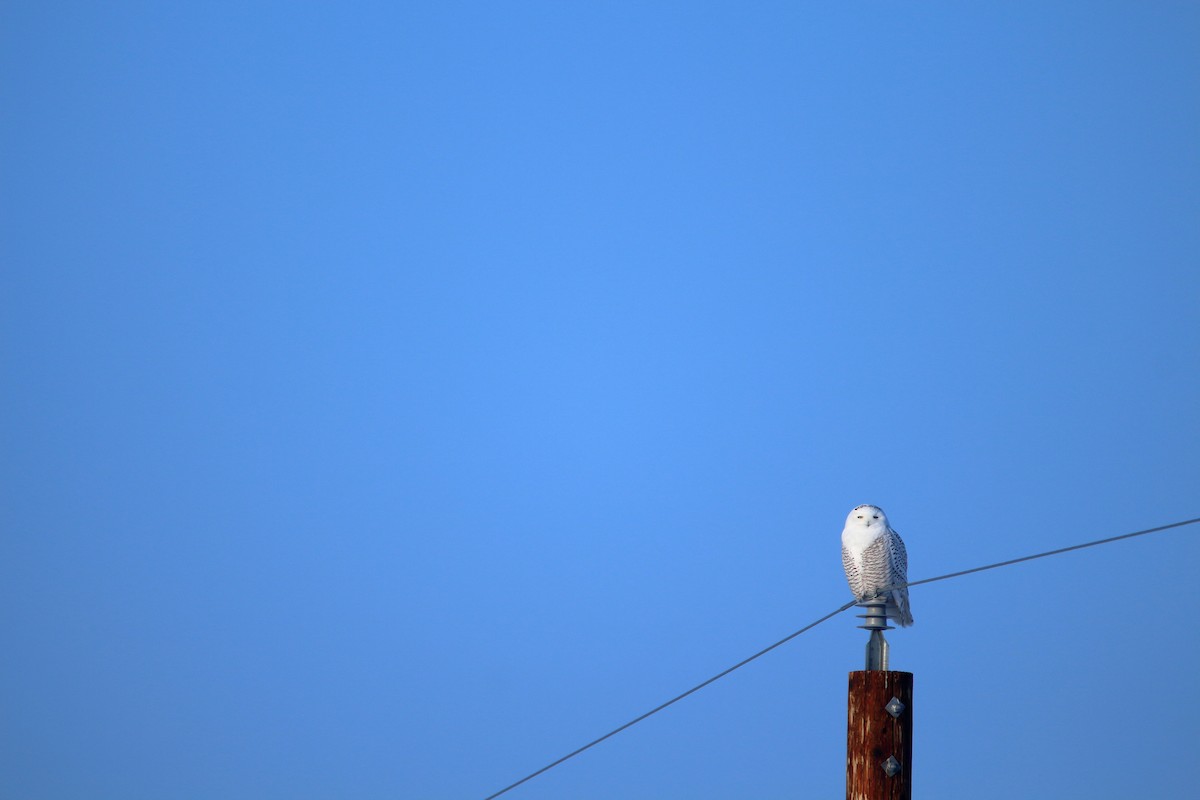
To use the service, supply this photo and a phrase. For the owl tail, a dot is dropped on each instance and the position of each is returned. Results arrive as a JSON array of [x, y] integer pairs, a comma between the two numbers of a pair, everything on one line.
[[898, 608]]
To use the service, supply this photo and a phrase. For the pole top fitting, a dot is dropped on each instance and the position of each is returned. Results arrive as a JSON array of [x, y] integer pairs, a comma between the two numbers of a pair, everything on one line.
[[875, 620]]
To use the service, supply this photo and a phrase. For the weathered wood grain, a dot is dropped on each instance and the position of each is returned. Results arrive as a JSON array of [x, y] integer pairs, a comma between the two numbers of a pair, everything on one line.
[[873, 735]]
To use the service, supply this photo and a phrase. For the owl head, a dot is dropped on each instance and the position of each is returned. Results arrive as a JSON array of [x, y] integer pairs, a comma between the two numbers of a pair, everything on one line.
[[867, 517]]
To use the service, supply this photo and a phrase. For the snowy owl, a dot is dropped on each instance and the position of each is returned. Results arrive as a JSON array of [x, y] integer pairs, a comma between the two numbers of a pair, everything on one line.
[[874, 558]]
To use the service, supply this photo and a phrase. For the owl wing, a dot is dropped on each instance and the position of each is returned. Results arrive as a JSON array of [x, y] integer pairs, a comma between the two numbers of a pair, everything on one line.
[[898, 569], [898, 557]]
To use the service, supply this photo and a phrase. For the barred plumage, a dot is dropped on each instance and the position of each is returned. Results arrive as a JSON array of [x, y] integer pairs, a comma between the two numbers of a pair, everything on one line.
[[874, 558]]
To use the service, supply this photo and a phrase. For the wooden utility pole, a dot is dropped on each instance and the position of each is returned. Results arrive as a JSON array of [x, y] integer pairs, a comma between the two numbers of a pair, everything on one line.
[[879, 736], [879, 722]]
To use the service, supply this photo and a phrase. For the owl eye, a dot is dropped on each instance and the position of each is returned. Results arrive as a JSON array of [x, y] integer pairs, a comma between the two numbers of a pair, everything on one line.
[[860, 516], [876, 516]]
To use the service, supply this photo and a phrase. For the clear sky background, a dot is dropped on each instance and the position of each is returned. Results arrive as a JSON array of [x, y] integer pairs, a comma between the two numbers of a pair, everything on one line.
[[397, 396]]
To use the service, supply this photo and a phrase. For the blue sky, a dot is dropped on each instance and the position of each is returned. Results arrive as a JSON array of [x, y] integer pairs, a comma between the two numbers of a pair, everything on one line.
[[396, 397]]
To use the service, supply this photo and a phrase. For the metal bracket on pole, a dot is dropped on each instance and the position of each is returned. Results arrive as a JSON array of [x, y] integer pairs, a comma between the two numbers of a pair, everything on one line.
[[875, 620]]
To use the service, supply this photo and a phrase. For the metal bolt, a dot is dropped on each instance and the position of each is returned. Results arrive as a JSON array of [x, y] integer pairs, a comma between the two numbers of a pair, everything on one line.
[[895, 707], [891, 767]]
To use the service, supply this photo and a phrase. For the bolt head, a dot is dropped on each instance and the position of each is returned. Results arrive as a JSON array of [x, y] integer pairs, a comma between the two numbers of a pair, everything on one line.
[[895, 707], [891, 767]]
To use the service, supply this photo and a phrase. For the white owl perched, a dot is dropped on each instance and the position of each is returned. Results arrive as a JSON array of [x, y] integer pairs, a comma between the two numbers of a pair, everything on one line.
[[874, 558]]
